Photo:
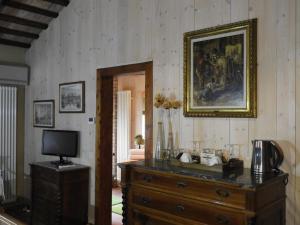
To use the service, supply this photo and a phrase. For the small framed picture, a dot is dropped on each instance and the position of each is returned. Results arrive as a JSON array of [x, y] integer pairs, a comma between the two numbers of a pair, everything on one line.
[[43, 113], [72, 97]]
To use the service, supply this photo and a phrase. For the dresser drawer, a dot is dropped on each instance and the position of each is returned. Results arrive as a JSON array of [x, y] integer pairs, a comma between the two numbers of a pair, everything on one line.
[[45, 212], [46, 190], [81, 176], [46, 174], [202, 190], [139, 219], [206, 213]]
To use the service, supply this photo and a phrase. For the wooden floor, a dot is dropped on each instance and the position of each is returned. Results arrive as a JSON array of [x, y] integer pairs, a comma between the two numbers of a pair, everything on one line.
[[8, 220], [115, 218]]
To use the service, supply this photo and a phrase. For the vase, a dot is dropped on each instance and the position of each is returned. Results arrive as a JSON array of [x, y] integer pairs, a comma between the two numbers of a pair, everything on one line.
[[160, 141], [170, 145]]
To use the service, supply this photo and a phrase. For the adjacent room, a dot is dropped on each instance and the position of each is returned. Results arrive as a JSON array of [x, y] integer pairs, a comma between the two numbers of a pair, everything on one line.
[[154, 112], [128, 130]]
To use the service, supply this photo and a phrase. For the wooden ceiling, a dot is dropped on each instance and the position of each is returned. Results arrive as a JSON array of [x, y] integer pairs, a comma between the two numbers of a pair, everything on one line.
[[21, 21]]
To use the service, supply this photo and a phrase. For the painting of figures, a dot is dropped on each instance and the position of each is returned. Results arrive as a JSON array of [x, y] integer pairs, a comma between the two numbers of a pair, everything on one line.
[[220, 71]]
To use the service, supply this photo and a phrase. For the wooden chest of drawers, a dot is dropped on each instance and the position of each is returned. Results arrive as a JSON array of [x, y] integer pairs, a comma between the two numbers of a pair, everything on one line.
[[59, 196], [157, 193]]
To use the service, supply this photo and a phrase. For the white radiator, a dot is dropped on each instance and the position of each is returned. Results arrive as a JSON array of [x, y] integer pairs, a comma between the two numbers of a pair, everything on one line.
[[123, 127], [8, 126]]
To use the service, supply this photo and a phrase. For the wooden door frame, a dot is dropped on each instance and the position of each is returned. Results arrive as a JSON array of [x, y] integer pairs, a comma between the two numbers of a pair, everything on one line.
[[104, 130]]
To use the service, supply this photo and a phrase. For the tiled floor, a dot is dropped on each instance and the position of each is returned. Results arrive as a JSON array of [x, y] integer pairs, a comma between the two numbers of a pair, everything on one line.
[[116, 219], [117, 192]]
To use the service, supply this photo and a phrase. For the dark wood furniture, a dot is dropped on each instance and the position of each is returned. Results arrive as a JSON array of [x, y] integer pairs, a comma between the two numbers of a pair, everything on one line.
[[158, 193], [59, 196]]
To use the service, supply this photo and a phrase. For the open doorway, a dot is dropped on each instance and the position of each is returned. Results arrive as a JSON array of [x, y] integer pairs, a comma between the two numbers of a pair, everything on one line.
[[128, 130], [104, 132]]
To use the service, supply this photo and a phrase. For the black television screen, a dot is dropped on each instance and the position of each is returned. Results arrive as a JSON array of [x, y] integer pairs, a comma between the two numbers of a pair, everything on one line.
[[60, 143]]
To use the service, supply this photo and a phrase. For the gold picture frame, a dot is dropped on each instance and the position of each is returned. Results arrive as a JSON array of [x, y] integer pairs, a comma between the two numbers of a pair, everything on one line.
[[220, 66]]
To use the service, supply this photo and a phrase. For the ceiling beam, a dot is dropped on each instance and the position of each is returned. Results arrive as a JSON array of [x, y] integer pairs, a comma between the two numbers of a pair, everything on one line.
[[24, 22], [14, 43], [30, 8], [14, 32], [59, 2]]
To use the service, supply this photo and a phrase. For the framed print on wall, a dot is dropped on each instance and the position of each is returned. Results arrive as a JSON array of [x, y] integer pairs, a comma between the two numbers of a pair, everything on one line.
[[72, 97], [220, 71], [43, 113]]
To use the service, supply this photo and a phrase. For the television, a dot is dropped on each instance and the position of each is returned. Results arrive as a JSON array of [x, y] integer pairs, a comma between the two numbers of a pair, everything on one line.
[[62, 143]]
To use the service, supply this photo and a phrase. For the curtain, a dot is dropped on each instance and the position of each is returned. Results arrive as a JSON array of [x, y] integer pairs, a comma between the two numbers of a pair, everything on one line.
[[8, 126]]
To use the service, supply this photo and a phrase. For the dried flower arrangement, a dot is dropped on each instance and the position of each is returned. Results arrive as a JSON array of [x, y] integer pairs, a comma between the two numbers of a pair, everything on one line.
[[159, 100], [139, 140], [166, 103]]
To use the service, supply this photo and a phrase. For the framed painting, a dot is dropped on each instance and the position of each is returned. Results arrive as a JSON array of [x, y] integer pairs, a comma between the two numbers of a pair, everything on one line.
[[43, 113], [220, 71], [72, 97]]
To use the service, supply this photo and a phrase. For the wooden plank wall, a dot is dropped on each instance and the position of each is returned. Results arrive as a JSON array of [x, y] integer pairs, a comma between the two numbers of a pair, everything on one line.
[[297, 125], [95, 34]]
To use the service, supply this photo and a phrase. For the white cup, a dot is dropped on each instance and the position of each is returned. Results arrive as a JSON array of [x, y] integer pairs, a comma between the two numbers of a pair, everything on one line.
[[186, 157], [214, 161]]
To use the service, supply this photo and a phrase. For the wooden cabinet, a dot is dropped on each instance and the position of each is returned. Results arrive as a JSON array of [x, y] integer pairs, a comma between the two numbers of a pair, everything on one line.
[[59, 196], [157, 193]]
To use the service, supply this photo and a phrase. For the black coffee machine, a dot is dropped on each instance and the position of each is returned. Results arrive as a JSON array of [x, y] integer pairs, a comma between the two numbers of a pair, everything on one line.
[[267, 156]]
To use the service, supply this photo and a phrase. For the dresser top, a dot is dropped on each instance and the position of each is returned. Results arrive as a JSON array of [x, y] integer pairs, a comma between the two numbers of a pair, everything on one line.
[[51, 166], [244, 179]]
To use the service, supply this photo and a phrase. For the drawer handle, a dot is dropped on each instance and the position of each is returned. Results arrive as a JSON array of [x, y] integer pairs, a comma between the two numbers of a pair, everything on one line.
[[223, 193], [146, 200], [222, 219], [147, 178], [181, 184], [180, 208]]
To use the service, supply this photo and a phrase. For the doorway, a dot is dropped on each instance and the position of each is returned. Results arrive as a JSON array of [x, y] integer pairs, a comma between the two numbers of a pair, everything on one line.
[[104, 131], [128, 130]]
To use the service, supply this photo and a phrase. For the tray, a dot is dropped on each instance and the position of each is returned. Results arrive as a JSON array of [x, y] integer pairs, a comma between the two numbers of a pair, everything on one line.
[[225, 167]]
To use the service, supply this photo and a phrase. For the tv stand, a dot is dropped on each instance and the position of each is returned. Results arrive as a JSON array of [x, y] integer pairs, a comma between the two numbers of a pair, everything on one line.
[[61, 162], [59, 196]]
